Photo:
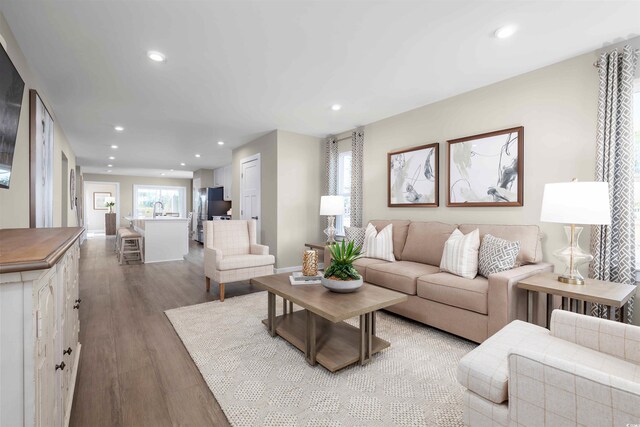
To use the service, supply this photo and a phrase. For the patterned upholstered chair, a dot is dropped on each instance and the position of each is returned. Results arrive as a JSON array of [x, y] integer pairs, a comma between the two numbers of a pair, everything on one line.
[[231, 253], [584, 371]]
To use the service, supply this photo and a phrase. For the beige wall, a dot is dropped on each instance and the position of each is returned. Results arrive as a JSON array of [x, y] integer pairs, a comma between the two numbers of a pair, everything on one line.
[[126, 188], [94, 219], [557, 106], [300, 187], [266, 146], [14, 202]]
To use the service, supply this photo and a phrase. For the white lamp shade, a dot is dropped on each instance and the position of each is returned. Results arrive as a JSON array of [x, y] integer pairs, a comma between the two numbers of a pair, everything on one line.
[[331, 205], [576, 203], [109, 200]]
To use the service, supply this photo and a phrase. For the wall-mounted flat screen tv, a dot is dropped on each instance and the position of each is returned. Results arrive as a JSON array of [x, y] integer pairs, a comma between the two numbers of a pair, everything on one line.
[[11, 88]]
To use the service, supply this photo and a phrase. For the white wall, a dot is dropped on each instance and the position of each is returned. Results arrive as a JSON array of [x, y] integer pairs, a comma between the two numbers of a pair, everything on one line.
[[557, 106], [14, 202], [94, 219]]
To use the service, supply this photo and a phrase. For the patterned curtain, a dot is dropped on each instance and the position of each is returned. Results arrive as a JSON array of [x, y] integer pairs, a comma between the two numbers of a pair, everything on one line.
[[613, 246], [357, 160], [331, 168]]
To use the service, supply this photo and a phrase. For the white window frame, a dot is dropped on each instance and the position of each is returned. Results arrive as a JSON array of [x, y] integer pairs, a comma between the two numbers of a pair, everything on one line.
[[182, 190], [341, 160]]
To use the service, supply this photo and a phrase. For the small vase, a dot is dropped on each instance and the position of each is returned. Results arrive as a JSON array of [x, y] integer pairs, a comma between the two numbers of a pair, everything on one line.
[[310, 263]]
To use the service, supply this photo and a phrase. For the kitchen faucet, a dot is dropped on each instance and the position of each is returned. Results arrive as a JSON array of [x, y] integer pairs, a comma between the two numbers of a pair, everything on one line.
[[155, 213]]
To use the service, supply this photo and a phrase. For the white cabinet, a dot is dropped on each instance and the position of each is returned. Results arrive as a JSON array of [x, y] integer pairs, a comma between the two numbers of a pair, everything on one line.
[[39, 348], [222, 178]]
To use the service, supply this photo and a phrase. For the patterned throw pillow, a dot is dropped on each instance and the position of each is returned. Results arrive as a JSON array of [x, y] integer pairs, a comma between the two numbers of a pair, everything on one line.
[[497, 255], [355, 235], [460, 255], [378, 245]]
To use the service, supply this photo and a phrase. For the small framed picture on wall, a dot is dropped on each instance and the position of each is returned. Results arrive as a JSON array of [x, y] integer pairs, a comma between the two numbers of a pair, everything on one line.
[[99, 200], [486, 169], [413, 177]]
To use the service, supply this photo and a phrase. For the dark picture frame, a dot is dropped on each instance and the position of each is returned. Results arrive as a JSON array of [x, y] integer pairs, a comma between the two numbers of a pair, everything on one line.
[[413, 177], [486, 169], [98, 200]]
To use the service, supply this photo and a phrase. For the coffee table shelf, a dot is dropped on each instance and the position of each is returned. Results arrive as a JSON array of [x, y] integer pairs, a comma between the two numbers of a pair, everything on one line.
[[337, 344]]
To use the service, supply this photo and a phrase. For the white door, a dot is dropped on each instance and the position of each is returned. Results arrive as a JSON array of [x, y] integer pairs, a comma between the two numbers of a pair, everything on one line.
[[250, 191]]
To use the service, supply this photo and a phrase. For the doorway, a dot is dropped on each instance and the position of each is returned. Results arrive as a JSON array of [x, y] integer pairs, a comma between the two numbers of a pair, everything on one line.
[[250, 190], [94, 209]]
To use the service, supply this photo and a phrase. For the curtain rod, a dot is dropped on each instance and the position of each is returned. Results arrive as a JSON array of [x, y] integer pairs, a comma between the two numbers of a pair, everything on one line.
[[347, 137]]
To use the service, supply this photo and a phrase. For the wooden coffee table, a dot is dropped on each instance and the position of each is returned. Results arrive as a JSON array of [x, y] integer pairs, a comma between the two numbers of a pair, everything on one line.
[[319, 330]]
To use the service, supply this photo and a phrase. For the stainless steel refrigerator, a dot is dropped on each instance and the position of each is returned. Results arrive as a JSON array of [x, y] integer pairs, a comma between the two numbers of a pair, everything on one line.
[[210, 206]]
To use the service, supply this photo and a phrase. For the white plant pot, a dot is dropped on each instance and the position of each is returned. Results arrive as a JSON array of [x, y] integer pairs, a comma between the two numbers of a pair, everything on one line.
[[342, 286]]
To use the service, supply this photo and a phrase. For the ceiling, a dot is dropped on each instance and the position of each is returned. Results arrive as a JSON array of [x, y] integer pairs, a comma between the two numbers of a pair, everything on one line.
[[238, 69]]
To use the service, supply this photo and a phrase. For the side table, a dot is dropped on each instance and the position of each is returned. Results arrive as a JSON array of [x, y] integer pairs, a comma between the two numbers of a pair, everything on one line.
[[110, 224], [575, 297]]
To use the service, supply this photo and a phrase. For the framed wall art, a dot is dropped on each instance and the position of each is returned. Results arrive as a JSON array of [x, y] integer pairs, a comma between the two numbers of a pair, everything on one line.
[[99, 200], [413, 177], [486, 169], [40, 163]]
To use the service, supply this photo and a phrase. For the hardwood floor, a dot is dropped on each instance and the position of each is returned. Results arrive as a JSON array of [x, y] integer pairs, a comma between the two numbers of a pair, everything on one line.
[[134, 370]]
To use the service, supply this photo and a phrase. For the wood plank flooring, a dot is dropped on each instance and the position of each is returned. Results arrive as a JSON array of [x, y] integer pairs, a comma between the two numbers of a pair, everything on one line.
[[134, 370]]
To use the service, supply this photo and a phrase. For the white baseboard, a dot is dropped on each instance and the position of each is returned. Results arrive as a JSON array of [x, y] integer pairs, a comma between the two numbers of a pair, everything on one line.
[[295, 268]]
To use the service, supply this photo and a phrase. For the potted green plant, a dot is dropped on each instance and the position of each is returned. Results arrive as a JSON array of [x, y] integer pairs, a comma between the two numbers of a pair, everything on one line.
[[341, 276]]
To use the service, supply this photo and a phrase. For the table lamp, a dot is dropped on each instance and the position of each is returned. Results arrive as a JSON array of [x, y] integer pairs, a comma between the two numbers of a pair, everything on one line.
[[575, 203], [331, 206]]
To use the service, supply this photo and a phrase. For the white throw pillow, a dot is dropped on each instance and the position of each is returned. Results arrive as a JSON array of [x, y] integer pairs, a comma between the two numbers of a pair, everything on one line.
[[378, 245], [460, 256]]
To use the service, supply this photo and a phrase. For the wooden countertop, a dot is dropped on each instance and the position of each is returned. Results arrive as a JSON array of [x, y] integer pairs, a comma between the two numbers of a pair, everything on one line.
[[25, 249]]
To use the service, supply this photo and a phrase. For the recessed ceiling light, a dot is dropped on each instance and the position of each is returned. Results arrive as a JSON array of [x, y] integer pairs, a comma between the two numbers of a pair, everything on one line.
[[109, 166], [336, 107], [114, 146], [118, 128], [156, 56], [170, 170], [183, 164], [220, 142], [162, 174], [109, 171], [505, 32], [197, 155], [111, 158]]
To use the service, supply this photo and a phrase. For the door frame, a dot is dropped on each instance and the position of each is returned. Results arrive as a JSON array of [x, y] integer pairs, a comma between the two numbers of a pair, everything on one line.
[[255, 157], [85, 204]]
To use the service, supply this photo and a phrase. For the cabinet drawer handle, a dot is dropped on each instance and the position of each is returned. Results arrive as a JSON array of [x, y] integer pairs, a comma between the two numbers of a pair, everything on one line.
[[60, 366], [77, 306], [67, 351], [78, 300]]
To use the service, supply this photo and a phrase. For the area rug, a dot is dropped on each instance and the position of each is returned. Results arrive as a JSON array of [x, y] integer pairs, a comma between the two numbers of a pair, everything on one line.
[[263, 381]]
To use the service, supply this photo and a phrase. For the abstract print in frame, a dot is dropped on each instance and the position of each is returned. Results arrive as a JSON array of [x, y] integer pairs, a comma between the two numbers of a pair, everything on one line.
[[40, 163], [413, 177], [486, 169]]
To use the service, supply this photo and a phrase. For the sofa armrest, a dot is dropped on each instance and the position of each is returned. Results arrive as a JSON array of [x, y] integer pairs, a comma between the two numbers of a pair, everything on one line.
[[554, 389], [505, 301], [211, 258], [259, 249], [603, 335]]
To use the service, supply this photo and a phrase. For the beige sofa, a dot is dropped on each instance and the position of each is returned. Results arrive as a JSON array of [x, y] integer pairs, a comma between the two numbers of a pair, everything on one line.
[[473, 309]]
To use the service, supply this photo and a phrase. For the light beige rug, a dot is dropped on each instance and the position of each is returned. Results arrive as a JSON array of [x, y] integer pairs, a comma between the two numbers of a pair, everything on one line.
[[263, 381]]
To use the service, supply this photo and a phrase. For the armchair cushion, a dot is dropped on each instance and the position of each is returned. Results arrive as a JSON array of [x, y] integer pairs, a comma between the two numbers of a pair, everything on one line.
[[234, 262], [259, 249]]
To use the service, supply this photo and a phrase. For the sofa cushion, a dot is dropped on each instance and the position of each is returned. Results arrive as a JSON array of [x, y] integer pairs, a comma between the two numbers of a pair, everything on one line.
[[496, 255], [400, 276], [460, 255], [361, 264], [445, 288], [425, 241], [485, 370], [234, 262], [400, 228], [529, 236]]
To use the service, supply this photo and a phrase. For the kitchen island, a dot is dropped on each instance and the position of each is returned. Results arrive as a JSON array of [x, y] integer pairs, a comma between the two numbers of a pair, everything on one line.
[[165, 238]]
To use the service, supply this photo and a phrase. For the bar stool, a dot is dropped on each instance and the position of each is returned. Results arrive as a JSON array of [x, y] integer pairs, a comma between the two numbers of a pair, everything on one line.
[[119, 232], [131, 246]]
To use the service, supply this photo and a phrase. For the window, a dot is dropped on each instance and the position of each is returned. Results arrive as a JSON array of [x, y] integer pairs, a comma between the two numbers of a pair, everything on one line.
[[173, 199], [636, 138], [344, 190]]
